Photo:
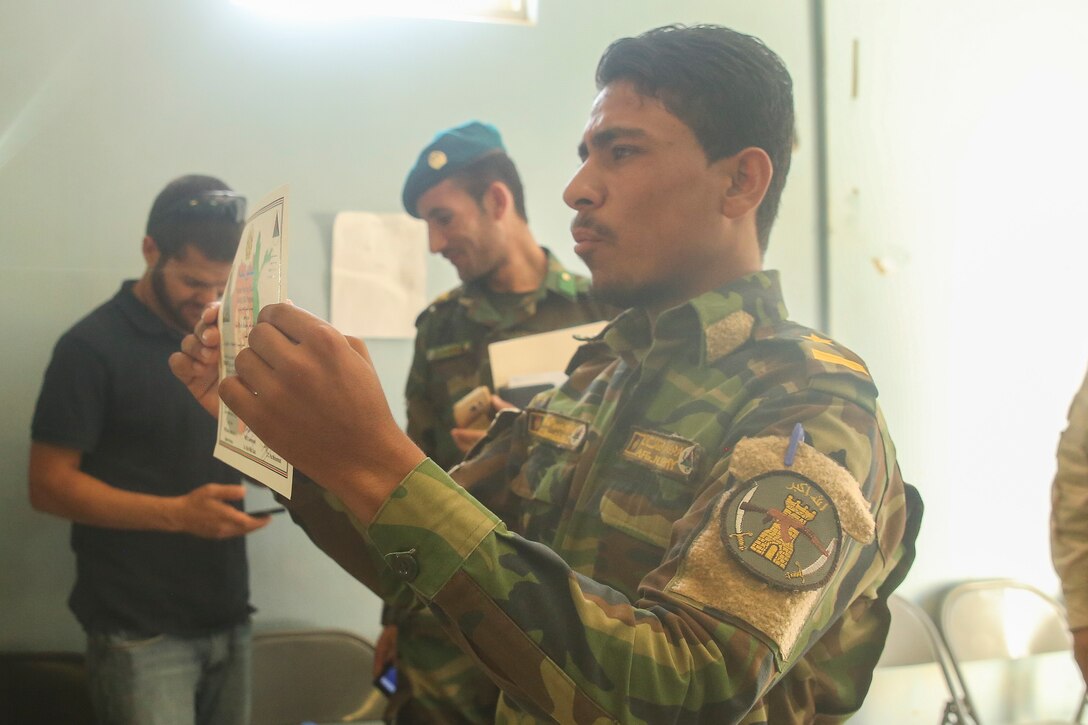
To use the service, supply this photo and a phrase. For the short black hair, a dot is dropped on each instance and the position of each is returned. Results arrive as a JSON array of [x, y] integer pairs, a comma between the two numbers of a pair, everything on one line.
[[729, 88], [197, 210], [478, 176]]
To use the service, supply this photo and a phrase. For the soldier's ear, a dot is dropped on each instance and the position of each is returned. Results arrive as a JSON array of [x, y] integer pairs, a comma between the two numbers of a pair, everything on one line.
[[498, 200], [744, 177]]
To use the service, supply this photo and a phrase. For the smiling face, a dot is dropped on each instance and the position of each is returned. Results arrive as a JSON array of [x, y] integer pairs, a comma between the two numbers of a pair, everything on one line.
[[184, 285], [649, 225], [461, 230]]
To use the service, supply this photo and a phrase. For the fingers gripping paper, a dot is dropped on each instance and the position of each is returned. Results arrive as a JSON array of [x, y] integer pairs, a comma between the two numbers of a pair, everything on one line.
[[257, 278]]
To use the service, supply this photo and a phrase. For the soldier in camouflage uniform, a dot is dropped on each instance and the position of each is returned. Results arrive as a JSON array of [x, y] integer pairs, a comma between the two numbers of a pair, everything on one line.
[[467, 189], [1069, 523], [707, 519]]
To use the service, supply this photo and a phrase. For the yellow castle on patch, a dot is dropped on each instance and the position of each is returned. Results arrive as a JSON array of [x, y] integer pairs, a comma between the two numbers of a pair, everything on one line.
[[775, 543]]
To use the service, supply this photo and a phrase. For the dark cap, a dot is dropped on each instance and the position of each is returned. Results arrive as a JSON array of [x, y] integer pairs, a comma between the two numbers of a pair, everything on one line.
[[193, 197], [450, 151], [199, 210]]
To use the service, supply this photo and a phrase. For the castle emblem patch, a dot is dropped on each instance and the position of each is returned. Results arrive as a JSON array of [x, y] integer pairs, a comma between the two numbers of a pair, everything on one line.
[[783, 528]]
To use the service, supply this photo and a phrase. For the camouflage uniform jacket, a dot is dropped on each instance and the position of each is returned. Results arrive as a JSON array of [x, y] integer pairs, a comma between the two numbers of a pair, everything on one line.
[[1069, 511], [451, 348], [627, 587]]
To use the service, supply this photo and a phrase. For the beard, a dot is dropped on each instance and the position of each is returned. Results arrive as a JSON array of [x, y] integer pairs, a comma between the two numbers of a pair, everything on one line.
[[169, 308]]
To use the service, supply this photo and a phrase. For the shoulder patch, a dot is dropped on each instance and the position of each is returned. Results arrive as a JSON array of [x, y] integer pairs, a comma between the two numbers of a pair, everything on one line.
[[783, 528], [772, 542], [832, 356]]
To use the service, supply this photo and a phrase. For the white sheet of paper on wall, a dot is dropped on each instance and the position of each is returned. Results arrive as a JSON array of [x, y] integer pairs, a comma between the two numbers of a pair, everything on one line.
[[379, 267]]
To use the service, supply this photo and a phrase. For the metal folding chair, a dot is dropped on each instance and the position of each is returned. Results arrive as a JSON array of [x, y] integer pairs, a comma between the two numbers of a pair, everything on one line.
[[906, 684], [314, 675], [1000, 632]]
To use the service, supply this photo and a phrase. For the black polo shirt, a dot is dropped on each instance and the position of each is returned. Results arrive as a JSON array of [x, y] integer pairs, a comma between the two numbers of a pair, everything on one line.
[[109, 393]]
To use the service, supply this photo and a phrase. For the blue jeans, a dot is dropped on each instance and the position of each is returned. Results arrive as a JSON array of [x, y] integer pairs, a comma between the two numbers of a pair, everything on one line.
[[167, 680]]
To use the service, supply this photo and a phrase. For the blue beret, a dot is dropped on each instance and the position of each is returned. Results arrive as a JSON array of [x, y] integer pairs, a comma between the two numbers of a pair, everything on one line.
[[450, 151]]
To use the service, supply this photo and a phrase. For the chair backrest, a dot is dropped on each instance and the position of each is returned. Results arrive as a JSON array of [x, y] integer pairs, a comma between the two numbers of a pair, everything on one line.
[[1002, 619], [319, 675], [915, 680], [44, 687], [1013, 649]]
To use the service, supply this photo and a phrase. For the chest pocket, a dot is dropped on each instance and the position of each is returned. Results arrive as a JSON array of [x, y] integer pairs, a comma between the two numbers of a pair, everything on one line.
[[556, 444], [455, 370], [651, 486]]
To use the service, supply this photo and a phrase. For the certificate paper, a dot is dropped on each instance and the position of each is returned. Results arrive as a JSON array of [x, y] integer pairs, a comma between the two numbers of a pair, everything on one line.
[[258, 278]]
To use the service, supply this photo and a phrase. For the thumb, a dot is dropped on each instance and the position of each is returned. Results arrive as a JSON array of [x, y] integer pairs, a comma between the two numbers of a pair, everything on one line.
[[359, 347]]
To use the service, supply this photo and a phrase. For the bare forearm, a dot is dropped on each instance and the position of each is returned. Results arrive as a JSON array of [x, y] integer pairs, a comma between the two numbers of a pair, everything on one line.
[[85, 499]]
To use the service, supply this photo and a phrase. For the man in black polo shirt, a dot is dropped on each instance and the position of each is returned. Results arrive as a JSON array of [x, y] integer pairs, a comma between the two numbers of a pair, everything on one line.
[[122, 450]]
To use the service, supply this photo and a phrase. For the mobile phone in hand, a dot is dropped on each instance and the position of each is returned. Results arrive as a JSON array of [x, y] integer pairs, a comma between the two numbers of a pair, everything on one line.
[[387, 680], [267, 512]]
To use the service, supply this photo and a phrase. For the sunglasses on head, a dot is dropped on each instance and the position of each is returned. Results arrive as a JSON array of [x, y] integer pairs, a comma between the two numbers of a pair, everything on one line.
[[225, 205]]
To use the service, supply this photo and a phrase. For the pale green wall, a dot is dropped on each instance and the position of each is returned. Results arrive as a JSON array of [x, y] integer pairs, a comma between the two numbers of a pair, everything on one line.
[[958, 249], [102, 102]]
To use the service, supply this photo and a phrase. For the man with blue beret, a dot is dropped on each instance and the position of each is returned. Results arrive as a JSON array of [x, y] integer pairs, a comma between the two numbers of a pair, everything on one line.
[[467, 189]]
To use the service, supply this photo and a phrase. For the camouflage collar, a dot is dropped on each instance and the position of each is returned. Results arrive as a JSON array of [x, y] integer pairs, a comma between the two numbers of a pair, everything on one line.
[[721, 320], [557, 280]]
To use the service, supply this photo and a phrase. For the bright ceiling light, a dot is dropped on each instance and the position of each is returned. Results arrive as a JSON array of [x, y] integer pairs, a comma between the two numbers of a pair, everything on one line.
[[512, 11]]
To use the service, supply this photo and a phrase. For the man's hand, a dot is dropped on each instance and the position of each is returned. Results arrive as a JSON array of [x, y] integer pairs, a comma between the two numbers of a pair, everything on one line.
[[197, 364], [385, 651], [466, 438], [1080, 651], [313, 396], [205, 512]]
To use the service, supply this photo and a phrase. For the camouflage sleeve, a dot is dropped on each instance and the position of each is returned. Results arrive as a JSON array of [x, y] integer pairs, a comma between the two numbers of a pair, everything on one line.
[[564, 647], [423, 419], [328, 525], [1069, 511]]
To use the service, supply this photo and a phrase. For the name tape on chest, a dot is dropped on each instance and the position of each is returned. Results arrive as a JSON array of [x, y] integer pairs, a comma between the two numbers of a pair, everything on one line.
[[444, 352], [558, 430], [670, 455]]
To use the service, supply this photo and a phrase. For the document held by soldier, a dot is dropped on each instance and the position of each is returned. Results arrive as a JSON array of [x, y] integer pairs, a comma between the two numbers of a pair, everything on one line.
[[257, 278]]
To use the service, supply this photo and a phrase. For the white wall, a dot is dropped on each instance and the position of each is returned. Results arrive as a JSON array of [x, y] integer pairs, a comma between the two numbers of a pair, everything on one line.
[[958, 168], [102, 102]]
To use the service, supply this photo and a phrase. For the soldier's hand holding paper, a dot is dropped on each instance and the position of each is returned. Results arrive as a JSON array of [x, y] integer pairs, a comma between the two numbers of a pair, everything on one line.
[[313, 395]]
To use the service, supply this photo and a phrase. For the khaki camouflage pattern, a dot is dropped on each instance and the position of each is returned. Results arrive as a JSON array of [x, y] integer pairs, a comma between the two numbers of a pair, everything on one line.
[[1069, 511], [450, 360], [595, 603], [452, 336]]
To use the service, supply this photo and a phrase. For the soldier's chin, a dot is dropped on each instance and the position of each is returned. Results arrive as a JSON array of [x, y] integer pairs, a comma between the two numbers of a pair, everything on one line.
[[623, 295]]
